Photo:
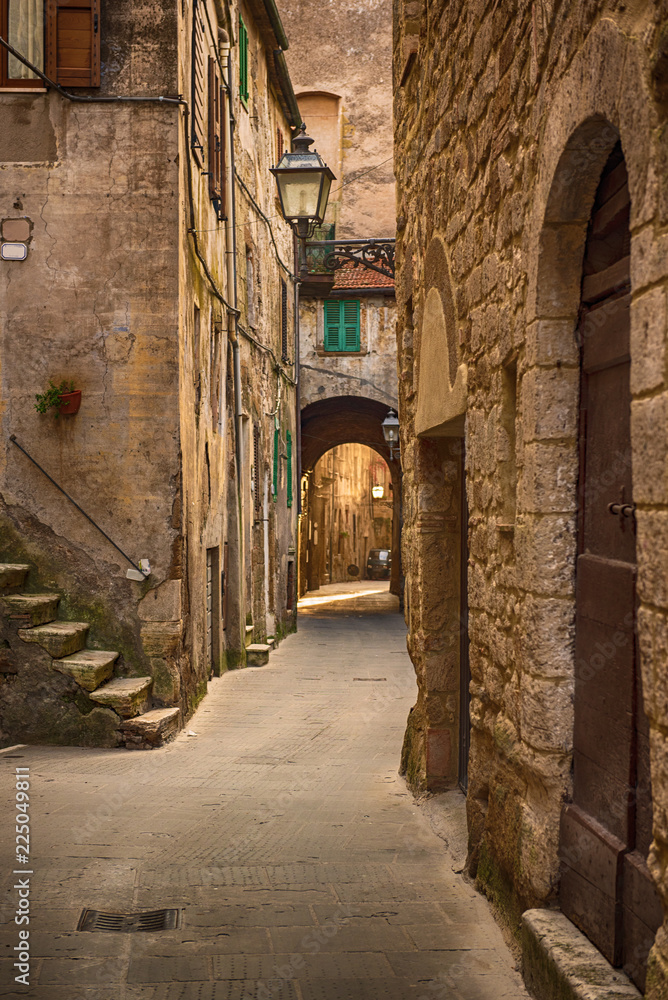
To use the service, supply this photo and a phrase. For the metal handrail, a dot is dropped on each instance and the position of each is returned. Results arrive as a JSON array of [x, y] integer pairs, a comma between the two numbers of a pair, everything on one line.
[[12, 438]]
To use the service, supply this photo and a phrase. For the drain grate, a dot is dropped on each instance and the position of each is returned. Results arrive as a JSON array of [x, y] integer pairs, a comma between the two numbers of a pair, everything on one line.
[[153, 920], [369, 678]]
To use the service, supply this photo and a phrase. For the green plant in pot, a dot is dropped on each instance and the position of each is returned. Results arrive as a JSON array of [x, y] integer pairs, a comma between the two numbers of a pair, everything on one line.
[[63, 398]]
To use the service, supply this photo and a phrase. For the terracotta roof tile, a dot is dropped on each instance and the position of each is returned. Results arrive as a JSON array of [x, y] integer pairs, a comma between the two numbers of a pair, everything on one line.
[[350, 276]]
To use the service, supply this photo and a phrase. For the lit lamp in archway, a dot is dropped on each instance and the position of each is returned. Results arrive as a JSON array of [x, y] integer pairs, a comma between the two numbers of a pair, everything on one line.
[[377, 492], [303, 180], [390, 427]]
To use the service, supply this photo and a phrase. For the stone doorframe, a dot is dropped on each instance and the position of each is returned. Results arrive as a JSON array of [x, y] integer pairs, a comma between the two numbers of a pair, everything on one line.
[[603, 98]]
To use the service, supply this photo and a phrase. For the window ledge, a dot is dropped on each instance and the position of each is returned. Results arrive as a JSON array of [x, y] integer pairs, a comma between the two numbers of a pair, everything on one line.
[[24, 90], [322, 353]]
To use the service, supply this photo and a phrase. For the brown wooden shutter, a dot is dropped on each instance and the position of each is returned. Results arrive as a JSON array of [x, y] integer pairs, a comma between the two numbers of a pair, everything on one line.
[[222, 131], [73, 42], [197, 125], [214, 133]]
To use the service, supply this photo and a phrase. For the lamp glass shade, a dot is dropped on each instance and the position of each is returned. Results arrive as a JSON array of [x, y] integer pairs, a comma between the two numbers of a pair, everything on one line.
[[377, 492], [303, 181], [300, 193], [391, 428]]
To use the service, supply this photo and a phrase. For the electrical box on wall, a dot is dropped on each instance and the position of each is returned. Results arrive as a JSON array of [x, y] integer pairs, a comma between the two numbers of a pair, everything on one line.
[[13, 251]]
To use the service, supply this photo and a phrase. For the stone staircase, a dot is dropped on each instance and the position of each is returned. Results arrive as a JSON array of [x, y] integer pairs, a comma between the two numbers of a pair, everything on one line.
[[33, 618]]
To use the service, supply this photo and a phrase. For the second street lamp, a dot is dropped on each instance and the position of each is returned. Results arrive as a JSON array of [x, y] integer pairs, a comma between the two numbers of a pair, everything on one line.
[[303, 180]]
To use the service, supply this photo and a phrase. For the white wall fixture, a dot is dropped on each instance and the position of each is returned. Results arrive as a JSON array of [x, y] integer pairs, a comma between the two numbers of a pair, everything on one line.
[[13, 251]]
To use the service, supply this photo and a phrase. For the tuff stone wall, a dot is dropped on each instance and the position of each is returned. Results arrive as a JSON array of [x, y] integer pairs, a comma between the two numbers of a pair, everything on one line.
[[504, 118]]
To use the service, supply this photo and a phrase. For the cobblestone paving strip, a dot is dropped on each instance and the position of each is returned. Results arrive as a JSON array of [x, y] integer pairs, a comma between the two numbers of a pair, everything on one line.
[[302, 865]]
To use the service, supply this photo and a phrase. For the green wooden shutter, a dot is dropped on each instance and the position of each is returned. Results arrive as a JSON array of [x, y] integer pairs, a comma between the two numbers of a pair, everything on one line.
[[332, 325], [243, 62], [289, 451], [351, 326], [274, 485]]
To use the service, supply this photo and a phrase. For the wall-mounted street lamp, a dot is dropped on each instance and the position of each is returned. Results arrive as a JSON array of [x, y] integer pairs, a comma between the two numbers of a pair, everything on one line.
[[390, 427], [303, 180], [377, 492]]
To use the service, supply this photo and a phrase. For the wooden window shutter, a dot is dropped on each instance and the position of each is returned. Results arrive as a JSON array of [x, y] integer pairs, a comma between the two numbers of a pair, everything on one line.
[[73, 42], [215, 144], [222, 159], [197, 86], [257, 498], [351, 325], [332, 325], [243, 62], [284, 321], [289, 453]]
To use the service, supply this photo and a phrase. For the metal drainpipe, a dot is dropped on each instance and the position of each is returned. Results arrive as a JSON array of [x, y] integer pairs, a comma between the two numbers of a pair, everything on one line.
[[233, 319]]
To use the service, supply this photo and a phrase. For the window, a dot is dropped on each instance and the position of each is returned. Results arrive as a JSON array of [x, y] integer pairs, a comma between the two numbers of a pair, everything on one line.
[[197, 86], [342, 325], [243, 63], [284, 321], [62, 38], [217, 134], [289, 453]]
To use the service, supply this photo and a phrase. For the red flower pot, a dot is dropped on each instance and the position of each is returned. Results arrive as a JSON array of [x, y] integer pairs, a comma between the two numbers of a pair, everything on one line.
[[70, 402]]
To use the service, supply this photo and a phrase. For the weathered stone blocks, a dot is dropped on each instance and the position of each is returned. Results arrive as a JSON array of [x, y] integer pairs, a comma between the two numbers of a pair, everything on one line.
[[128, 696], [57, 638]]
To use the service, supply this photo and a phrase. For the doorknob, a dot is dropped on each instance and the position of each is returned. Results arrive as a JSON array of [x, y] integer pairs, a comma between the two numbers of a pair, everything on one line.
[[622, 509]]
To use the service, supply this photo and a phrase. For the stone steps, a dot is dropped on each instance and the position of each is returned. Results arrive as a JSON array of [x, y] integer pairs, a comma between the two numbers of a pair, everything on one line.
[[257, 654], [152, 729], [128, 696], [59, 639], [248, 639], [35, 619], [35, 609], [89, 667], [12, 575]]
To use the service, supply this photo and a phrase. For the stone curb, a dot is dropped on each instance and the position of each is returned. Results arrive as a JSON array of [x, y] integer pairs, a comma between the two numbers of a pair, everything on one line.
[[560, 963]]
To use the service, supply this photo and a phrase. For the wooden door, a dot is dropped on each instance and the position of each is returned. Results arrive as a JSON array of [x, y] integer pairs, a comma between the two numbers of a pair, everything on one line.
[[606, 888]]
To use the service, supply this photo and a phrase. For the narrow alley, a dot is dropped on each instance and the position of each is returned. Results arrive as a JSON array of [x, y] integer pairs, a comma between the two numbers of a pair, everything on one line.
[[278, 827]]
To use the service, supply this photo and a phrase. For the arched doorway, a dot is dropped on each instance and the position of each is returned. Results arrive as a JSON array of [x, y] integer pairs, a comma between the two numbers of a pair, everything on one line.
[[606, 831], [347, 529], [354, 420]]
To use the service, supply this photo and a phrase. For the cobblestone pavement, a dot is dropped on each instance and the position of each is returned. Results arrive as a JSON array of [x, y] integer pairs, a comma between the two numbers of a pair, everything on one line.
[[302, 867]]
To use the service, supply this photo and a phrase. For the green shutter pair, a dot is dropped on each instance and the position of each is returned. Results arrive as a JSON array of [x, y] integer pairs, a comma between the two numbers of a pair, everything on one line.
[[274, 484], [277, 444], [342, 325], [243, 62]]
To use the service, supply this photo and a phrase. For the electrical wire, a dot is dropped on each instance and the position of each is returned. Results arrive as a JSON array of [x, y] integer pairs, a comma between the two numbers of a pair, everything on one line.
[[271, 231], [83, 98]]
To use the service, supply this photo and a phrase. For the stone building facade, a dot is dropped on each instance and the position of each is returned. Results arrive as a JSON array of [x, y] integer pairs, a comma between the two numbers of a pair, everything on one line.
[[532, 195], [156, 279]]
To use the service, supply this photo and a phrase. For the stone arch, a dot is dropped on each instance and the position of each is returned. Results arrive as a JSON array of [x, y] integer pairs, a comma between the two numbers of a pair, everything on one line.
[[338, 420]]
